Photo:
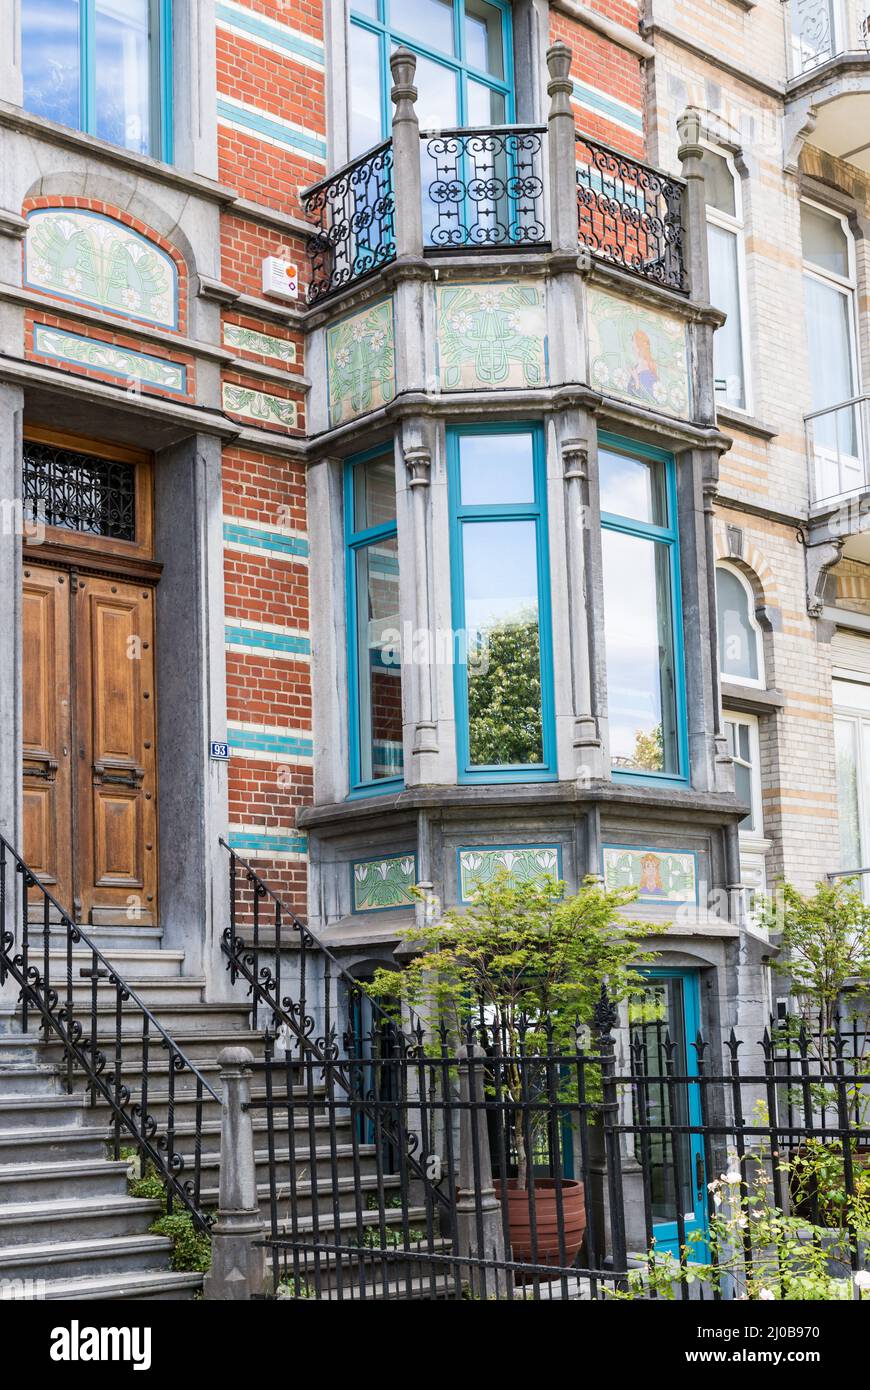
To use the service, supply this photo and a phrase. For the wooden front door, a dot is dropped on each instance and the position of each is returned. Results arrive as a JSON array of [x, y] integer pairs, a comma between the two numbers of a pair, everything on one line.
[[89, 756]]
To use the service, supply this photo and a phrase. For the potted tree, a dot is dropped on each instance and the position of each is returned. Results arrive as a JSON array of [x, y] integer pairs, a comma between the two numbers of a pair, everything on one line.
[[825, 942], [524, 965]]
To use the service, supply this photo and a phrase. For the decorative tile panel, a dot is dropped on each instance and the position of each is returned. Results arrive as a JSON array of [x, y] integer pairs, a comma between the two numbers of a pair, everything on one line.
[[108, 358], [249, 340], [380, 884], [361, 362], [491, 335], [659, 875], [93, 259], [523, 863], [637, 353], [259, 407]]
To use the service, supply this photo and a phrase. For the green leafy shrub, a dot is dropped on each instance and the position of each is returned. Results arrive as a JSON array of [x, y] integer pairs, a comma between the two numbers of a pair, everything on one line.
[[191, 1249]]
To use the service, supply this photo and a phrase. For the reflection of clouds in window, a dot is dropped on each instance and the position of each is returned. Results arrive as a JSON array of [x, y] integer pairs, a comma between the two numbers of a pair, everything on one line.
[[637, 625], [50, 59]]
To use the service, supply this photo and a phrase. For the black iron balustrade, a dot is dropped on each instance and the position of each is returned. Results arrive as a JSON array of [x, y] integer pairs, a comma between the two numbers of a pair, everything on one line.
[[108, 1063], [618, 1152], [484, 188], [630, 215], [354, 212], [290, 976]]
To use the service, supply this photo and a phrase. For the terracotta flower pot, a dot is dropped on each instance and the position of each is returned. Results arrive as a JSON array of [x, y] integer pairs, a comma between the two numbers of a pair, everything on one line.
[[546, 1249]]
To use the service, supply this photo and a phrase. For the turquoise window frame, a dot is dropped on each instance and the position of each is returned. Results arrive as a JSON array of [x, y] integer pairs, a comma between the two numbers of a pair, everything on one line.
[[670, 536], [461, 515], [667, 1232], [160, 136], [355, 541], [389, 33]]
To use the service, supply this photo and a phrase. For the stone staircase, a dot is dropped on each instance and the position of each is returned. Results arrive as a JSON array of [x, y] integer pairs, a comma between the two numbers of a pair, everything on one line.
[[67, 1220]]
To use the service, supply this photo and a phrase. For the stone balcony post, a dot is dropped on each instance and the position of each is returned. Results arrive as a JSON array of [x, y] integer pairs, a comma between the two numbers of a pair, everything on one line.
[[563, 160], [407, 182], [690, 153]]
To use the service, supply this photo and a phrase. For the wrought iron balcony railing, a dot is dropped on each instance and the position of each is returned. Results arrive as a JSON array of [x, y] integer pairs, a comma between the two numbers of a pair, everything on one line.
[[484, 188], [820, 30], [630, 215], [837, 449], [354, 214]]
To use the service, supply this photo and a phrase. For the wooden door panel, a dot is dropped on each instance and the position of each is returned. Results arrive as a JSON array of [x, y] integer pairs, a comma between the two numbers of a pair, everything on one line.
[[47, 794], [116, 764]]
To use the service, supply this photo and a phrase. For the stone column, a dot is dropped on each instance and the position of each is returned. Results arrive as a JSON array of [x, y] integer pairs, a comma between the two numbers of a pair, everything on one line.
[[563, 161], [478, 1210], [421, 654], [690, 152], [11, 528], [587, 744], [238, 1267], [407, 183]]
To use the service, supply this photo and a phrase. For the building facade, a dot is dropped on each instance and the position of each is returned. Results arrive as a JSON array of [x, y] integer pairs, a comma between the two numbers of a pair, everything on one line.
[[432, 441]]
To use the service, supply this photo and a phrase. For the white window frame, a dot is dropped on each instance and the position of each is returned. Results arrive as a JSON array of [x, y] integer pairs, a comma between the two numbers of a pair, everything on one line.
[[858, 716], [751, 721], [848, 287], [736, 227], [759, 682]]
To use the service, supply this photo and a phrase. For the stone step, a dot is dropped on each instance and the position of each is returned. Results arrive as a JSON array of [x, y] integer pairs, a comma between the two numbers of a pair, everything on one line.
[[156, 1284], [80, 1218], [41, 1111], [346, 1190], [54, 1182], [156, 995], [51, 1144], [189, 1017], [108, 940], [28, 1079], [77, 1259], [131, 962]]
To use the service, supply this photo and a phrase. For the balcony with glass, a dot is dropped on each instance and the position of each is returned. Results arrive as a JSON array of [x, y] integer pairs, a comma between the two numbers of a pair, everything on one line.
[[828, 44]]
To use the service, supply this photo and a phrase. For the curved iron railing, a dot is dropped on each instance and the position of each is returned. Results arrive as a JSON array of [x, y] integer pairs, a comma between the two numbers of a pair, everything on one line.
[[53, 1000], [354, 212], [484, 188], [631, 215], [259, 962]]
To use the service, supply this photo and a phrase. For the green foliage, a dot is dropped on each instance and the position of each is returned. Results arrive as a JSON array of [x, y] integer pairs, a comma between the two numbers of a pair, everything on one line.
[[191, 1249], [649, 750], [504, 694], [825, 940], [789, 1259], [817, 1185], [527, 956], [149, 1186]]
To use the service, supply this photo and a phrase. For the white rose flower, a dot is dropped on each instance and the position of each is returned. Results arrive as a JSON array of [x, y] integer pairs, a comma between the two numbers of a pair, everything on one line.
[[767, 1295]]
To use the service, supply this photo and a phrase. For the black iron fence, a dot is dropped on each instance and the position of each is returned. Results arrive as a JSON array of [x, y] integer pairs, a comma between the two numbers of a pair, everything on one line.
[[107, 1037], [630, 214], [353, 211], [484, 188]]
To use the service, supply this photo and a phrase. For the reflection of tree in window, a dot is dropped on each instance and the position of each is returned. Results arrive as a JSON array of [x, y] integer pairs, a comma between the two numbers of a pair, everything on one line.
[[504, 694]]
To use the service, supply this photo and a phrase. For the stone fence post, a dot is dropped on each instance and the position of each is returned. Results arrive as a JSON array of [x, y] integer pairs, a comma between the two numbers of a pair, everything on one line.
[[238, 1267], [562, 152], [478, 1210]]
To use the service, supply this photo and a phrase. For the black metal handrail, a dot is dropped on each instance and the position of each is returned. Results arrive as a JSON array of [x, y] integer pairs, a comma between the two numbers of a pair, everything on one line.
[[286, 1014], [484, 187], [630, 214], [354, 209], [54, 1003]]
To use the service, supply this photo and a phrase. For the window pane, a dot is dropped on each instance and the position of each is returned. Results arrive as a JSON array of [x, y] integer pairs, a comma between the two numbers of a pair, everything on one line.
[[379, 661], [429, 21], [484, 45], [50, 60], [366, 7], [437, 107], [500, 579], [846, 742], [485, 106], [725, 294], [638, 636], [829, 342], [374, 493], [824, 240], [718, 183], [632, 487], [122, 69], [495, 469], [365, 89], [738, 648]]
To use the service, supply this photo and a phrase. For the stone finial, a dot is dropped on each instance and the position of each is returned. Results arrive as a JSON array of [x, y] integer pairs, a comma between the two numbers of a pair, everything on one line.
[[690, 128], [559, 86], [403, 66]]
